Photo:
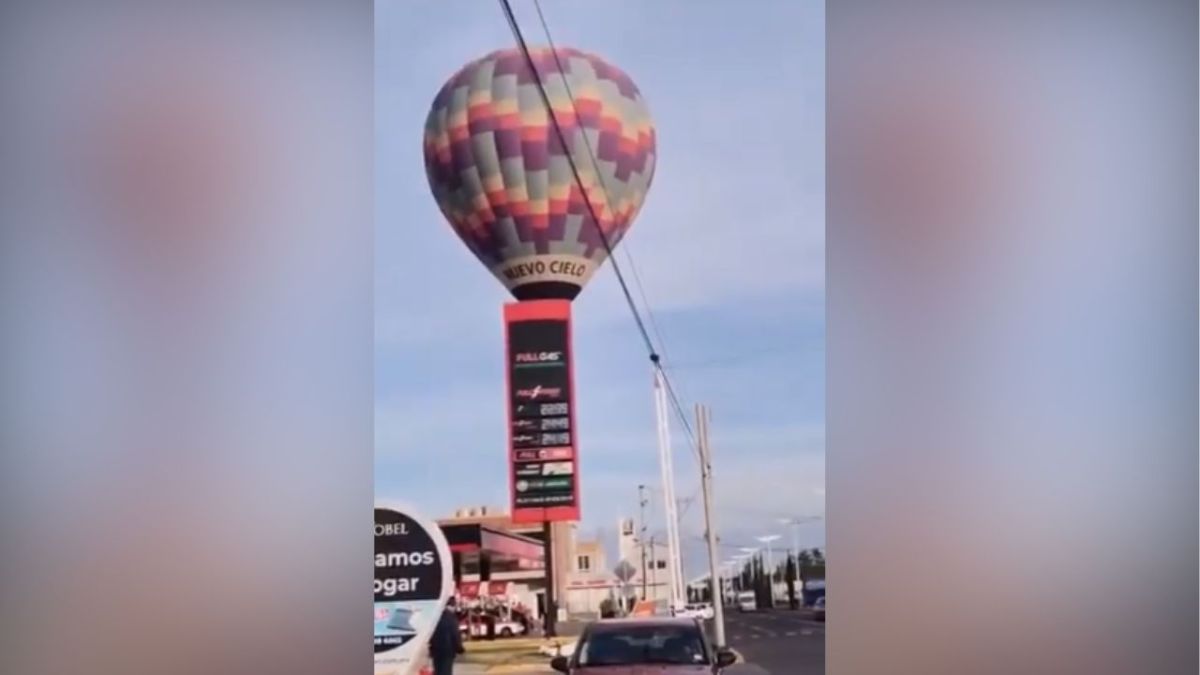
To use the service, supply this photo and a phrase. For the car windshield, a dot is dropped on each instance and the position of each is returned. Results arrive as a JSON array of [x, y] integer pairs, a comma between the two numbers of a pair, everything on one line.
[[641, 645]]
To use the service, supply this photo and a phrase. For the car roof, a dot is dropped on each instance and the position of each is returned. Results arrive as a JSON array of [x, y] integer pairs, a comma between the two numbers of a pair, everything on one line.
[[640, 622]]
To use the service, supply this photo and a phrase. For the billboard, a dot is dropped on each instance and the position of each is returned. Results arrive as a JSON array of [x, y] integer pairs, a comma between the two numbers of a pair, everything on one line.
[[413, 580], [543, 475]]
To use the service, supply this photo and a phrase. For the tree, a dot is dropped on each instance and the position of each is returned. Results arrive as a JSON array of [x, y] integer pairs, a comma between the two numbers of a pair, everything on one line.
[[818, 557], [791, 581], [762, 586]]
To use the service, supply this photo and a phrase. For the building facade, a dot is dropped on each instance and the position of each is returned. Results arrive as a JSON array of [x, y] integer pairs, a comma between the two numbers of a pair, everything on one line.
[[648, 555], [492, 554], [486, 546], [591, 580]]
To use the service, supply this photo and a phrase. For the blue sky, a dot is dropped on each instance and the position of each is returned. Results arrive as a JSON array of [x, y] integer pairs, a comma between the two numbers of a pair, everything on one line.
[[729, 248]]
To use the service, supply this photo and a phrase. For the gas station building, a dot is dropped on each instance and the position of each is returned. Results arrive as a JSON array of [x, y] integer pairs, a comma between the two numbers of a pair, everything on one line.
[[493, 556]]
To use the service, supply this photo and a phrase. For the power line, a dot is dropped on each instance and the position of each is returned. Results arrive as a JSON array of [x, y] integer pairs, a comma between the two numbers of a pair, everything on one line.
[[685, 501], [562, 138], [744, 357], [687, 504], [541, 86], [637, 278], [654, 356]]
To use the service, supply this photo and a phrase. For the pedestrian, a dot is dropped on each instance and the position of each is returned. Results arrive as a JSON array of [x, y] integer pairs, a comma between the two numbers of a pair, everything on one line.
[[446, 643]]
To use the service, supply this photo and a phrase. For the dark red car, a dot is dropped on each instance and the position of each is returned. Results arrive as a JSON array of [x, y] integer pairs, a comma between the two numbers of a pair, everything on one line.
[[644, 646]]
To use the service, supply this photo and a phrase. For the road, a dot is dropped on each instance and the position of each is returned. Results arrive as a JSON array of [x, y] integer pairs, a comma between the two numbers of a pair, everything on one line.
[[778, 642]]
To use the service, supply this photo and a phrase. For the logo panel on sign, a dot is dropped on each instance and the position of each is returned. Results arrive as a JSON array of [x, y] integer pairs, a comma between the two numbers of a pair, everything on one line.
[[541, 431]]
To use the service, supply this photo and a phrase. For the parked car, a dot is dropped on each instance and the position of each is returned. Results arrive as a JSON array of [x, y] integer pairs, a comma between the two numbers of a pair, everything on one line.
[[747, 601], [699, 610], [479, 629], [819, 609], [625, 646]]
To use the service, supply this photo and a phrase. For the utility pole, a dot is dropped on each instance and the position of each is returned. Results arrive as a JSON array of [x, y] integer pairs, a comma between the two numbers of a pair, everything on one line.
[[654, 566], [668, 479], [796, 537], [710, 527], [642, 534]]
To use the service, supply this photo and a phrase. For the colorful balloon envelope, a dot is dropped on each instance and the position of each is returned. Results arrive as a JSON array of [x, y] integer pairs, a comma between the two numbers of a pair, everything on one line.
[[504, 180]]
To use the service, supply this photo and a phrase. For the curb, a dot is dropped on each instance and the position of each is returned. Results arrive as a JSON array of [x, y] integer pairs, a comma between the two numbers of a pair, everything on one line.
[[511, 644], [520, 668]]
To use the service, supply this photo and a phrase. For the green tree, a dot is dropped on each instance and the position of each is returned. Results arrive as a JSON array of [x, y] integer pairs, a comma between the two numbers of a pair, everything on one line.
[[791, 581], [818, 557]]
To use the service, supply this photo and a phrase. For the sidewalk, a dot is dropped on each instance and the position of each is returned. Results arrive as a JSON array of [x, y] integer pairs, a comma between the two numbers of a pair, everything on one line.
[[518, 655]]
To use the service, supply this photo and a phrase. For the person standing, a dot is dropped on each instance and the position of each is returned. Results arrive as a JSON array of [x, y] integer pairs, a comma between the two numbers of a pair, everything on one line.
[[446, 643]]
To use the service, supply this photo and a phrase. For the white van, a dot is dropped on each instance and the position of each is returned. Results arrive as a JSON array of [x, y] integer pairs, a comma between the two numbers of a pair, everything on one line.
[[699, 610], [747, 601]]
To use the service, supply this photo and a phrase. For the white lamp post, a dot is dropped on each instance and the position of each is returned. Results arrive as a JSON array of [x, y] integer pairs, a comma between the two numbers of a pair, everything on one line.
[[768, 539], [795, 523]]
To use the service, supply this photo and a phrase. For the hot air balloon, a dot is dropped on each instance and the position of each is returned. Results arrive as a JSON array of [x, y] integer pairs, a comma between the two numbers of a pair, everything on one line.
[[503, 179]]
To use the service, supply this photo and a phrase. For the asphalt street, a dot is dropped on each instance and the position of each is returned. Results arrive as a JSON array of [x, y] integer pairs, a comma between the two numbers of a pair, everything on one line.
[[778, 642]]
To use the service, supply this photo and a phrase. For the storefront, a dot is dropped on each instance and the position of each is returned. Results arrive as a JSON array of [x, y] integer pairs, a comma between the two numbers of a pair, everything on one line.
[[587, 597], [495, 572], [481, 553]]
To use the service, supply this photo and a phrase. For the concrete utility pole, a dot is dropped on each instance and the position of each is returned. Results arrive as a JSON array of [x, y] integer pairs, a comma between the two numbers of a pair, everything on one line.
[[642, 534], [675, 566], [714, 569]]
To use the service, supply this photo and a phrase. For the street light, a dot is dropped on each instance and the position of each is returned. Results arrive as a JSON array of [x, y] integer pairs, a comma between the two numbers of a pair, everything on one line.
[[795, 524], [767, 540], [746, 555]]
